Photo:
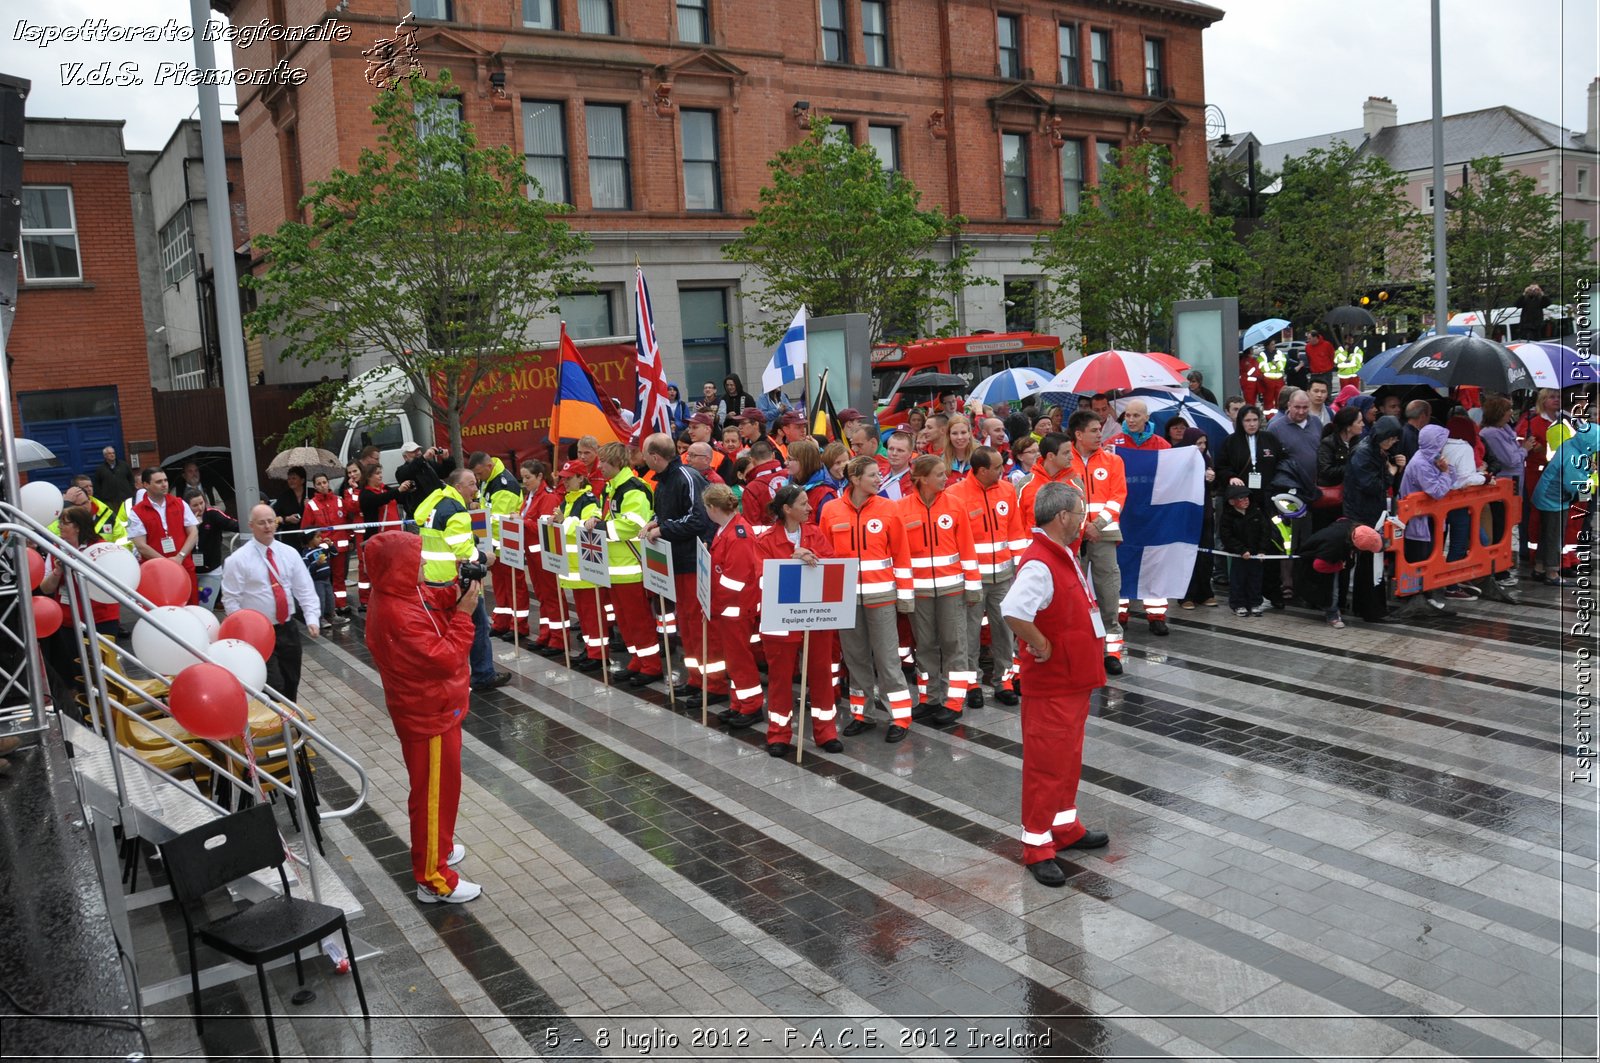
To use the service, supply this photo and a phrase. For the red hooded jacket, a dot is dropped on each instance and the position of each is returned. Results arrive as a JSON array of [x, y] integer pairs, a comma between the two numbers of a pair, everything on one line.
[[418, 638]]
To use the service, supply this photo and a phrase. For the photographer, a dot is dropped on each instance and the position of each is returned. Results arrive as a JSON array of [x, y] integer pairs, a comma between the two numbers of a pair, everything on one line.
[[418, 635], [427, 470], [450, 556]]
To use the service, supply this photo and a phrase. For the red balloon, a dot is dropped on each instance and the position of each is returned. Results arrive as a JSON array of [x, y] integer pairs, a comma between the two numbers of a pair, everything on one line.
[[252, 627], [164, 582], [35, 567], [46, 615], [209, 701]]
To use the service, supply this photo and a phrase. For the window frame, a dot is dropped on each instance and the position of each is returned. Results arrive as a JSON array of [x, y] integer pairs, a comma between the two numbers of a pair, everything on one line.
[[621, 111], [836, 34], [1101, 71], [564, 193], [555, 16], [177, 248], [1104, 150], [1074, 203], [695, 343], [1157, 47], [1070, 31], [715, 162], [611, 18], [609, 293], [1001, 19], [697, 8], [882, 37], [1008, 179], [893, 165], [77, 248], [448, 9]]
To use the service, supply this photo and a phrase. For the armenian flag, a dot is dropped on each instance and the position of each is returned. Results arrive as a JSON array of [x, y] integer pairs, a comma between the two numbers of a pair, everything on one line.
[[582, 407]]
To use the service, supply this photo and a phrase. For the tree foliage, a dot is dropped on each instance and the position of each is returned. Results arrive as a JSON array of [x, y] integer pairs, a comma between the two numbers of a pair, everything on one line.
[[1132, 250], [1338, 226], [838, 234], [430, 252], [1503, 235]]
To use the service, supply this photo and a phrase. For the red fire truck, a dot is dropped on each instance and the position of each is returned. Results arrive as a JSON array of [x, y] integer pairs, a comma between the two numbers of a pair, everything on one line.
[[974, 357]]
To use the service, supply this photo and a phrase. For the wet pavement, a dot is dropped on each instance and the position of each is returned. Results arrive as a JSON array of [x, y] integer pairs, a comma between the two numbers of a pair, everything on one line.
[[1324, 844]]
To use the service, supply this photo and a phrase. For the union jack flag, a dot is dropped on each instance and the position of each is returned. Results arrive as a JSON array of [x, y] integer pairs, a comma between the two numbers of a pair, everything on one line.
[[591, 547], [654, 410]]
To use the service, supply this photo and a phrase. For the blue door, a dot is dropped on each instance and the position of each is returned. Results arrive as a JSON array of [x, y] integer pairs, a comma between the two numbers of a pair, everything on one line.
[[76, 424]]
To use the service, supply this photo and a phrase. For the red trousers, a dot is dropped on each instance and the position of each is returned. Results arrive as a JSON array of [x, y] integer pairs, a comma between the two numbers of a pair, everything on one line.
[[783, 660], [363, 587], [434, 765], [1052, 761], [340, 566], [510, 598], [589, 605], [637, 622], [1269, 393], [551, 611], [695, 654], [730, 645]]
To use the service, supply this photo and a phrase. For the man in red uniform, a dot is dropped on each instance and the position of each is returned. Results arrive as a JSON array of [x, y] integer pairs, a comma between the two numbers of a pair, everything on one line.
[[162, 525], [1059, 671], [1319, 358], [759, 480], [419, 637]]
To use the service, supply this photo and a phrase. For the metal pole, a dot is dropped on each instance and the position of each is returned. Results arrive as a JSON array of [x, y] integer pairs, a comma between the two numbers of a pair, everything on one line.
[[1250, 176], [230, 335], [1441, 272]]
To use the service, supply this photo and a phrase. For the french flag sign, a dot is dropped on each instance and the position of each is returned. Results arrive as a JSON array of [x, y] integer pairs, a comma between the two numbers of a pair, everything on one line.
[[1161, 521], [796, 596]]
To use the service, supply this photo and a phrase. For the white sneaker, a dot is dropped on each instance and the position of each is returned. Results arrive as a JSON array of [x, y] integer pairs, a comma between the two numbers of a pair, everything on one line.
[[458, 853], [464, 892]]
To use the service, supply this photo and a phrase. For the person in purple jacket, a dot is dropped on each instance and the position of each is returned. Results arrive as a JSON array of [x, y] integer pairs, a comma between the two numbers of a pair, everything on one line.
[[1428, 471]]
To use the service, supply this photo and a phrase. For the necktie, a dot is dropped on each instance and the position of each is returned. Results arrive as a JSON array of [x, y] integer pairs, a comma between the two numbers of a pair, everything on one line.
[[280, 597]]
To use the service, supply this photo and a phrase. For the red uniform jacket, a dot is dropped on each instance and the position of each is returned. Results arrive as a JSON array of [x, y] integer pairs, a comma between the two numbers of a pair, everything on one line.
[[735, 571], [758, 483], [1077, 661]]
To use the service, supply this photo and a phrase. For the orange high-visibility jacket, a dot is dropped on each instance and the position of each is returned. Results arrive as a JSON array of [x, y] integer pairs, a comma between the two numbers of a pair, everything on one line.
[[939, 540], [1104, 487], [994, 516], [875, 536]]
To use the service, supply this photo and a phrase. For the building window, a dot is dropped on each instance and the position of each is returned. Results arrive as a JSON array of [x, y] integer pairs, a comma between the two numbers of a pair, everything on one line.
[[1155, 83], [1105, 156], [590, 315], [188, 370], [544, 150], [1014, 157], [1071, 176], [1427, 197], [608, 157], [1583, 181], [440, 117], [704, 313], [1067, 46], [1022, 304], [49, 235], [874, 33], [540, 14], [702, 181], [438, 10], [693, 27], [595, 16], [885, 140], [177, 248], [832, 31], [1008, 35], [1100, 58]]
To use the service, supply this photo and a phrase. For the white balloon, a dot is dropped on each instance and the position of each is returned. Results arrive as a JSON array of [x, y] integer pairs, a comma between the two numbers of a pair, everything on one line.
[[117, 564], [208, 617], [243, 660], [40, 500], [160, 653]]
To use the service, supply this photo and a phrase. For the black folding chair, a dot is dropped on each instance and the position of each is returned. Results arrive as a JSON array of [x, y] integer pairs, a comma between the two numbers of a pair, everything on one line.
[[215, 854]]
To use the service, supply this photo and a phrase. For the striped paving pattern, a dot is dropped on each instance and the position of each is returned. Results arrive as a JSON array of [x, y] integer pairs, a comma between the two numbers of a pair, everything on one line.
[[1325, 844]]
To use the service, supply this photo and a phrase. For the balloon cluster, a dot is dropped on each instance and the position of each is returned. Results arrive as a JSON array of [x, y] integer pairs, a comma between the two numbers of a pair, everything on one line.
[[207, 698]]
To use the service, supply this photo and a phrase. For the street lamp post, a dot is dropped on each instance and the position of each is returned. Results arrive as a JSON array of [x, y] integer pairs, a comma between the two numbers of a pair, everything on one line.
[[1217, 123]]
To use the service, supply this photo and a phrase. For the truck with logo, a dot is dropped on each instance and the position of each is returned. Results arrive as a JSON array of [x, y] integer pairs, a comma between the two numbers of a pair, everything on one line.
[[974, 357]]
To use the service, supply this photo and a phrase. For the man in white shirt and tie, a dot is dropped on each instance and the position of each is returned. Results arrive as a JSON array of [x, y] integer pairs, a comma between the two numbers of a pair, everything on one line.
[[269, 577]]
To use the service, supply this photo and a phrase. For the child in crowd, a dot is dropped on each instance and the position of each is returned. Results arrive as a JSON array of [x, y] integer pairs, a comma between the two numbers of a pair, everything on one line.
[[318, 557], [1244, 532]]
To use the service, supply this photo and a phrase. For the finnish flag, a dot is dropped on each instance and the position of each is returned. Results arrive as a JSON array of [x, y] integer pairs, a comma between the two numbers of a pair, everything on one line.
[[789, 360], [1161, 521]]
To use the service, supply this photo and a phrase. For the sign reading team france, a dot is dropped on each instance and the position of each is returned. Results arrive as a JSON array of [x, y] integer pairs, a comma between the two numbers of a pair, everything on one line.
[[657, 560], [593, 565], [511, 551], [796, 596], [702, 576], [552, 546]]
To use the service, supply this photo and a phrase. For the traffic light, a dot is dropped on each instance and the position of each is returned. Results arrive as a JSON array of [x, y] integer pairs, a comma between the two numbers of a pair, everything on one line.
[[13, 92]]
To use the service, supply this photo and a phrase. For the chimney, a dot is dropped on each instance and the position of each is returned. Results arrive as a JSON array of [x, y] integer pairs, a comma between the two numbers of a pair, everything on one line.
[[1591, 134], [1378, 114]]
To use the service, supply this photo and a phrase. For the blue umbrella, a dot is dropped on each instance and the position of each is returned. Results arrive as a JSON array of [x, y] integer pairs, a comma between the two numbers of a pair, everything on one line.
[[1261, 332], [1011, 385], [1165, 405], [1379, 371]]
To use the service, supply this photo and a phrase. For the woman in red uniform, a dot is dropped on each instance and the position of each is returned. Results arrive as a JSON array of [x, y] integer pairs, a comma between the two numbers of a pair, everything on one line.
[[380, 511], [735, 599], [541, 499], [794, 534], [349, 540]]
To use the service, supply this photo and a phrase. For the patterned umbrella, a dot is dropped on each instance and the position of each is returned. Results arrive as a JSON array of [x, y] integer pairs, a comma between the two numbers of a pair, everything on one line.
[[314, 459], [1165, 405], [1453, 361], [1010, 385], [1119, 371], [1555, 365]]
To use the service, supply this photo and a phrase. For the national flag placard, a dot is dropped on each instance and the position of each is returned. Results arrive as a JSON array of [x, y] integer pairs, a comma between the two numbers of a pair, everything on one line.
[[657, 560], [796, 596], [1161, 521], [480, 531], [512, 550], [552, 546], [702, 576], [593, 564]]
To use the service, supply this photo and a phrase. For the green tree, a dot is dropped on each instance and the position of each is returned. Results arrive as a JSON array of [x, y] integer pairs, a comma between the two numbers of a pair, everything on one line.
[[1338, 226], [431, 252], [1503, 235], [838, 234], [1133, 250]]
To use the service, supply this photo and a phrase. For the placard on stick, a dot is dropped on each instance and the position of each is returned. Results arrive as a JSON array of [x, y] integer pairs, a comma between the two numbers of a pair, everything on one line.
[[796, 596], [656, 558], [593, 564], [552, 546], [512, 553], [702, 576]]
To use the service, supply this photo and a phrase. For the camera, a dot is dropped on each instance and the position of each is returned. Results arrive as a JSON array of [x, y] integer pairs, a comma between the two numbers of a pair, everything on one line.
[[470, 572]]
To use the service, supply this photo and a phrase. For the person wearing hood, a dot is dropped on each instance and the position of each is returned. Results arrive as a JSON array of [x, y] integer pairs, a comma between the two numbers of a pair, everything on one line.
[[1327, 556], [1368, 408], [420, 638], [1465, 454], [1370, 475], [1428, 471], [1568, 478]]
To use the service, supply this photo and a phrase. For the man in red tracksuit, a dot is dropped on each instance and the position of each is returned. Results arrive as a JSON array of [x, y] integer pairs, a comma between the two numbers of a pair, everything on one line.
[[1059, 671], [419, 637]]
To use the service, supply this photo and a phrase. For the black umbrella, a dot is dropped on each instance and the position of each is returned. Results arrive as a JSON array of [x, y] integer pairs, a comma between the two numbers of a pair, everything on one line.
[[1349, 317], [1453, 361], [930, 383]]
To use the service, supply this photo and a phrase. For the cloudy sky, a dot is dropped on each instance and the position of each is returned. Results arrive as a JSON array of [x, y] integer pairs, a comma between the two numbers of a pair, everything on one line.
[[1281, 68]]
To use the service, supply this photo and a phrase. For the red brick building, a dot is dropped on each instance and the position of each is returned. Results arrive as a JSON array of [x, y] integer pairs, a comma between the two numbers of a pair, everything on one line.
[[81, 371], [655, 120]]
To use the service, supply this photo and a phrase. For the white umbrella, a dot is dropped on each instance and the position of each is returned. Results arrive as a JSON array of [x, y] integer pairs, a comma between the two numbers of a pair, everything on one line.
[[31, 455], [1119, 371], [1011, 385], [313, 459]]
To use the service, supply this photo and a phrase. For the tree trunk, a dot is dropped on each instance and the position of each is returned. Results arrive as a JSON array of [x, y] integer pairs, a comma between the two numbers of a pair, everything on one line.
[[453, 423]]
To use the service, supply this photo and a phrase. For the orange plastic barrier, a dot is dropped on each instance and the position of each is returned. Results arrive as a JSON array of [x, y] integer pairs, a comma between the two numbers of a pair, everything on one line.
[[1481, 560]]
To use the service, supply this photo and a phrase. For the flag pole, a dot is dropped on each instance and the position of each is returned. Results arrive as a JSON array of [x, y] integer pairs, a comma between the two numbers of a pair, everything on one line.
[[705, 686], [666, 650], [561, 604], [803, 710]]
